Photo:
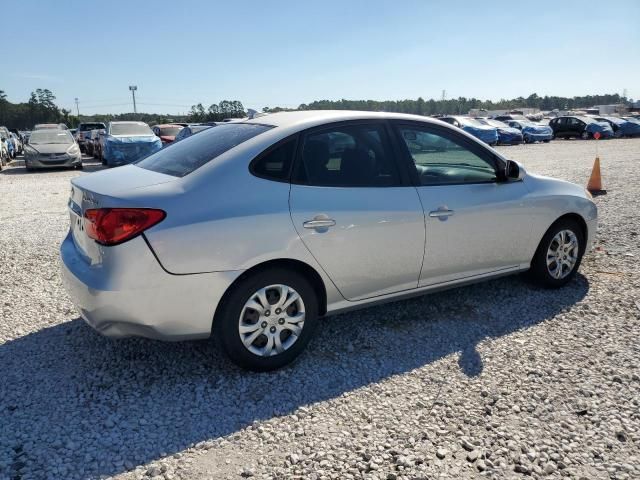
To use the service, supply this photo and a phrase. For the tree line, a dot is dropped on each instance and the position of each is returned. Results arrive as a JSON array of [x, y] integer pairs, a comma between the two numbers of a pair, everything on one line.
[[460, 105], [41, 108]]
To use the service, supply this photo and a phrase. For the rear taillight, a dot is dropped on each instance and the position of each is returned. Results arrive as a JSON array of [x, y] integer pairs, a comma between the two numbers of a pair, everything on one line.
[[110, 226]]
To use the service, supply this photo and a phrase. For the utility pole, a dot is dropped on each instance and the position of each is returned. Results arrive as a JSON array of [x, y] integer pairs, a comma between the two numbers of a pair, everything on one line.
[[133, 89], [77, 109], [444, 95]]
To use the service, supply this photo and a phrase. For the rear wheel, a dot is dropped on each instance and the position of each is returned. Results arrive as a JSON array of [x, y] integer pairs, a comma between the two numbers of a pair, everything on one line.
[[267, 320], [559, 254], [585, 135]]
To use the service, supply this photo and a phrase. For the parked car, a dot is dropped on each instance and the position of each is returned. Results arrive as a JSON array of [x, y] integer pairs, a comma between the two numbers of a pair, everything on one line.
[[167, 133], [84, 132], [4, 153], [7, 140], [506, 135], [569, 126], [126, 142], [17, 143], [54, 126], [532, 132], [52, 148], [621, 127], [88, 141], [485, 133], [166, 248], [94, 141], [189, 130]]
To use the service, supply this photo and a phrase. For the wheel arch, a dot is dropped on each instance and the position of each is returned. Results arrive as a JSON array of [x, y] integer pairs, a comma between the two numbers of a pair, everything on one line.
[[567, 216], [287, 263]]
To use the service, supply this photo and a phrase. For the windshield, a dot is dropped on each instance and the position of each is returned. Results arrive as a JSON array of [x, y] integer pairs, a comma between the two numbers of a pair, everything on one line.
[[130, 129], [470, 122], [493, 123], [91, 126], [169, 131], [41, 137], [617, 121], [183, 157]]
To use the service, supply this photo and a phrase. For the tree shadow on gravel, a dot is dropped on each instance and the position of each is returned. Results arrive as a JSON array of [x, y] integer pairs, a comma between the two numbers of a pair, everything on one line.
[[76, 405]]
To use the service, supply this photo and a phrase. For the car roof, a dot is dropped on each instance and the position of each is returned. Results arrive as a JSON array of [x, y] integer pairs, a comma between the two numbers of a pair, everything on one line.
[[128, 121], [310, 118], [168, 125]]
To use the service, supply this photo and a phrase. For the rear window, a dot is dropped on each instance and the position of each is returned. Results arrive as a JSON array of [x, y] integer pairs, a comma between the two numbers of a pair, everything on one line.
[[130, 129], [91, 126], [170, 131], [182, 158]]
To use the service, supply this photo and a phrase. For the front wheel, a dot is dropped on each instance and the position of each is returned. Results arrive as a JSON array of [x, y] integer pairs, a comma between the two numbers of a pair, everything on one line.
[[559, 254], [267, 319]]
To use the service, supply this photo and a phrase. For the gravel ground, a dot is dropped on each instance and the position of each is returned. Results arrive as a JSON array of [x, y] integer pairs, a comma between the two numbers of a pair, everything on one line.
[[500, 379]]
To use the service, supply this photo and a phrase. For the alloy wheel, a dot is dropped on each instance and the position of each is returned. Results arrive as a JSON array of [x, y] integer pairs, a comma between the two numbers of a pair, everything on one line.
[[562, 254], [272, 320]]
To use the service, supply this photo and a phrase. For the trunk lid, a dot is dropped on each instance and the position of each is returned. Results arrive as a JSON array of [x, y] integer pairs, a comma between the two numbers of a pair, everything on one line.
[[105, 189]]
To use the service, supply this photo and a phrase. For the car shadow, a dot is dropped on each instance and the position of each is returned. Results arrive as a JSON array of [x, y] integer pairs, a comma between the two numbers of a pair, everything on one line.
[[69, 395]]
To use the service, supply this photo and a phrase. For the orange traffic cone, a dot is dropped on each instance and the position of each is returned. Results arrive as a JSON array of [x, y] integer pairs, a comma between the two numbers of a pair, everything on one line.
[[595, 181]]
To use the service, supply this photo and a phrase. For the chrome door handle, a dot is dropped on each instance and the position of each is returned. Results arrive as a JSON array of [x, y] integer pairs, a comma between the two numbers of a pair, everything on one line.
[[441, 213], [320, 223]]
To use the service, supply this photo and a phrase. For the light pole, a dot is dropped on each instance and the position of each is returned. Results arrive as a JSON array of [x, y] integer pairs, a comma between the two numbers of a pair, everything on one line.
[[77, 109], [133, 89]]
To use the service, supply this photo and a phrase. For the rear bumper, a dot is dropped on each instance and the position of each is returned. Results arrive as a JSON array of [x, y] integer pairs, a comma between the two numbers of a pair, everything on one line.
[[129, 294]]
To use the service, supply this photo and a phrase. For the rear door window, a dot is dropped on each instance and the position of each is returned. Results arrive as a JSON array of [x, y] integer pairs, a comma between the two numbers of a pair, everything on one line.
[[185, 156], [347, 156]]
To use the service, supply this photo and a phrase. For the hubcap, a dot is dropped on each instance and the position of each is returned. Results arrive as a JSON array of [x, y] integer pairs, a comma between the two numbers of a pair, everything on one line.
[[264, 334], [562, 254]]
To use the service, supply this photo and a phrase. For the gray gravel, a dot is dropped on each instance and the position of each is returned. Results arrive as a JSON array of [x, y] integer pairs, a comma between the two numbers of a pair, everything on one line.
[[499, 379]]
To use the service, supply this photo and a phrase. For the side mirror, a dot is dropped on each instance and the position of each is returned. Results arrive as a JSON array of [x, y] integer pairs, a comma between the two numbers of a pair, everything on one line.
[[513, 171]]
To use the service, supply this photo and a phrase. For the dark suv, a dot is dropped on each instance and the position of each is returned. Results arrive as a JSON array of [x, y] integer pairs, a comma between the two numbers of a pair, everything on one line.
[[575, 126], [83, 134]]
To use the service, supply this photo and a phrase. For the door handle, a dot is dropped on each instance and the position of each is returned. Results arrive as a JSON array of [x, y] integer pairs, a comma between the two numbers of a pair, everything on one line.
[[441, 213], [319, 223]]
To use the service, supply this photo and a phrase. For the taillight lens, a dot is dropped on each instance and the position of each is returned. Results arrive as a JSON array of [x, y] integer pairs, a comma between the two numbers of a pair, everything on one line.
[[110, 226]]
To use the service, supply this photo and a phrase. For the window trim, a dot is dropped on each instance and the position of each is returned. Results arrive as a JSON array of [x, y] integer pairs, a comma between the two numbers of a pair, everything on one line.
[[391, 146], [483, 152], [296, 138]]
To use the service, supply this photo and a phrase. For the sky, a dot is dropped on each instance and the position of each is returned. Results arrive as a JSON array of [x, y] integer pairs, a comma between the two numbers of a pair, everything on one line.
[[284, 53]]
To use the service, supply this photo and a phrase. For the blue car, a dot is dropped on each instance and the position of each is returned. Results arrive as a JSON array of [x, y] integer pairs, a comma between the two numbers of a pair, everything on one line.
[[621, 127], [127, 142], [532, 132], [506, 135], [486, 133]]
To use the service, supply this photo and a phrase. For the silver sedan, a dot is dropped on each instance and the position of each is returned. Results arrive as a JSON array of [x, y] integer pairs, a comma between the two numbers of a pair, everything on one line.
[[52, 148], [251, 231]]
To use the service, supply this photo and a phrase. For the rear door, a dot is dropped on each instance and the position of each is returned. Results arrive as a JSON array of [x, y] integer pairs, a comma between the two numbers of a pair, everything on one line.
[[355, 210], [474, 223]]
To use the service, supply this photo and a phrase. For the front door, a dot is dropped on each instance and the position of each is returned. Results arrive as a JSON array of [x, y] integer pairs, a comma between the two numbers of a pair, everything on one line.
[[475, 223], [354, 213]]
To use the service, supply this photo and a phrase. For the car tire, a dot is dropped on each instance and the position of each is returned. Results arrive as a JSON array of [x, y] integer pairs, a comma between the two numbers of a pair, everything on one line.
[[546, 141], [259, 353], [556, 250], [585, 135], [80, 167]]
